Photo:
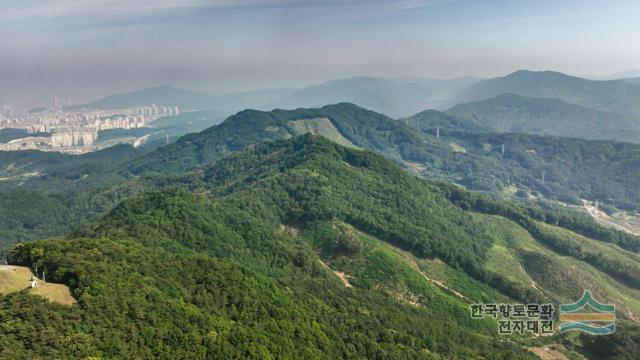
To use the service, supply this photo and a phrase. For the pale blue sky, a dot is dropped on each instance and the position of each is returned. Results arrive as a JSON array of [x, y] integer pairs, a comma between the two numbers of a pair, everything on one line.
[[78, 48]]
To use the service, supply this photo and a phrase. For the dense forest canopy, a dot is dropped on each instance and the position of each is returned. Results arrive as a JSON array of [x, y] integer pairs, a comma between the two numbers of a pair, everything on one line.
[[237, 259]]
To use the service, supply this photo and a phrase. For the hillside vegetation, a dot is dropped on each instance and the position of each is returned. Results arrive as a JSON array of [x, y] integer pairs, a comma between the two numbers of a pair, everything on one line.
[[69, 189], [534, 166], [542, 116], [156, 251], [231, 265], [46, 194]]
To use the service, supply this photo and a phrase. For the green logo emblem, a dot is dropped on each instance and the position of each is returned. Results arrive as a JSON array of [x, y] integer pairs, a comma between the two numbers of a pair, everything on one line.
[[599, 321]]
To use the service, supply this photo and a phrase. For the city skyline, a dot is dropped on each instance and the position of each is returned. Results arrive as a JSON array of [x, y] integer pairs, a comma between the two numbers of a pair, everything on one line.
[[85, 49]]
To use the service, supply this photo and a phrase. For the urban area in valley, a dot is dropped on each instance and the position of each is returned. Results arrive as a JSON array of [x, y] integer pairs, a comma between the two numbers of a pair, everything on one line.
[[75, 130]]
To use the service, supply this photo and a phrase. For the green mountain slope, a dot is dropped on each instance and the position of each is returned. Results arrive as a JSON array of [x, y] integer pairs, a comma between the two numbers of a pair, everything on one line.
[[611, 96], [52, 170], [573, 169], [46, 194], [347, 122], [429, 120], [303, 246], [542, 116], [93, 183], [175, 274], [77, 180]]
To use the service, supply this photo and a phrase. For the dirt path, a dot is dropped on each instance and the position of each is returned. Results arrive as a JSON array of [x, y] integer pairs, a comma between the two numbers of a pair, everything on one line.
[[602, 217], [140, 141], [412, 262], [340, 274], [534, 284], [442, 285]]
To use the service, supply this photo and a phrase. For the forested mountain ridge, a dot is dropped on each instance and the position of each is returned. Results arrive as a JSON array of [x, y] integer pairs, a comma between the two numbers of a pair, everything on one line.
[[545, 116], [466, 153], [262, 280], [560, 168], [394, 97], [345, 123], [180, 273], [430, 120], [46, 194], [85, 186]]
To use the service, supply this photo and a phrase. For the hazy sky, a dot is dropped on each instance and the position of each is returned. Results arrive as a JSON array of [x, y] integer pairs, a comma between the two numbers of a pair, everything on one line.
[[81, 48]]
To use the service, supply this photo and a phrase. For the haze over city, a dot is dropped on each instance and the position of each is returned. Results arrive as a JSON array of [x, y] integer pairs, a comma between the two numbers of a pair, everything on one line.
[[80, 50]]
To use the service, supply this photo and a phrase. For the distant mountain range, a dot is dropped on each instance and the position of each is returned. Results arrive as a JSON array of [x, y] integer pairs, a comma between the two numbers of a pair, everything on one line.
[[525, 102], [612, 96], [392, 96], [432, 120], [620, 75], [161, 96], [543, 116], [594, 101], [395, 97]]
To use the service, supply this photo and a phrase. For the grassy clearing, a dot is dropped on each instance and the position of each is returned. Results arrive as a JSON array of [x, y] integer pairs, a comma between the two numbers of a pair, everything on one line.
[[18, 278], [321, 126], [59, 293], [14, 278], [502, 258], [608, 249], [510, 190]]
